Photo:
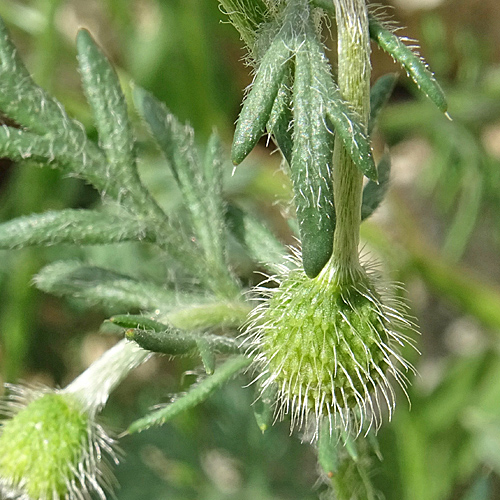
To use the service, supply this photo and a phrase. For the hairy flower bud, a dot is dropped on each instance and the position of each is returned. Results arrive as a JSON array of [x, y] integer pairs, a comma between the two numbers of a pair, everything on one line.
[[331, 349], [51, 446]]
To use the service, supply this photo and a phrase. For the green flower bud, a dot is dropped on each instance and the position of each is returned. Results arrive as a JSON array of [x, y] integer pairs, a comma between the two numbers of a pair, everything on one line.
[[51, 446], [331, 349]]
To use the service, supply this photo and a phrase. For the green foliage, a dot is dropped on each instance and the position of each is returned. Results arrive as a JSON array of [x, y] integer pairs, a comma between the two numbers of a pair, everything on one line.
[[77, 227], [196, 395], [207, 229]]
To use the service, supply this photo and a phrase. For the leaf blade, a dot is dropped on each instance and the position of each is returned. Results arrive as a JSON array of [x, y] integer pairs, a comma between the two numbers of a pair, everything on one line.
[[193, 397], [77, 227]]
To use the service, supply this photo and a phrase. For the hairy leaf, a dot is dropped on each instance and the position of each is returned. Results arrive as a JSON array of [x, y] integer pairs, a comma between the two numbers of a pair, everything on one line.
[[259, 102], [196, 394], [98, 286], [105, 96], [77, 227], [261, 244], [177, 144], [411, 61], [158, 337]]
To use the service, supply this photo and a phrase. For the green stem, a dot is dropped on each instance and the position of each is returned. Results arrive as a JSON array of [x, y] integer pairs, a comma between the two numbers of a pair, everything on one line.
[[354, 83]]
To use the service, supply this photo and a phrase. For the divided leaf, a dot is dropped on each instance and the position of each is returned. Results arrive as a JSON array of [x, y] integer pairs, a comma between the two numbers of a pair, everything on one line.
[[200, 186]]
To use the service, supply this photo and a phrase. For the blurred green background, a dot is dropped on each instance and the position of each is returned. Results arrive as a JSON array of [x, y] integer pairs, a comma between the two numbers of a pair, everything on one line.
[[438, 232]]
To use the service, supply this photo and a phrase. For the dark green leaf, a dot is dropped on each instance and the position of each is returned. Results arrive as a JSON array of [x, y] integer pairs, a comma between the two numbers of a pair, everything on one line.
[[411, 61], [259, 102], [373, 192], [311, 165], [281, 118], [379, 95]]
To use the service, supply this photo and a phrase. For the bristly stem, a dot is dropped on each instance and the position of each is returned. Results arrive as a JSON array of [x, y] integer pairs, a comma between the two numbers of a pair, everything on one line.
[[354, 83]]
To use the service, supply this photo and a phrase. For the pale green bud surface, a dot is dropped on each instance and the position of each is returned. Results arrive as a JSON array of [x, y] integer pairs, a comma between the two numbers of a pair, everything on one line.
[[331, 349], [42, 445]]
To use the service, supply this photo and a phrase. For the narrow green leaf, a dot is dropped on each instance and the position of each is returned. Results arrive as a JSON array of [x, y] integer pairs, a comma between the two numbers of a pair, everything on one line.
[[328, 455], [210, 190], [263, 407], [102, 287], [281, 117], [207, 355], [259, 102], [311, 166], [344, 120], [105, 96], [379, 95], [22, 100], [411, 61], [373, 192], [214, 170], [196, 394], [175, 140], [77, 227], [54, 149], [67, 147], [414, 65], [167, 339], [175, 342], [170, 341], [136, 321], [348, 127], [271, 76], [54, 138]]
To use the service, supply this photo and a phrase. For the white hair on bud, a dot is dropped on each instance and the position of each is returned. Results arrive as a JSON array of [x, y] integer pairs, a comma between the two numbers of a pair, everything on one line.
[[361, 366]]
